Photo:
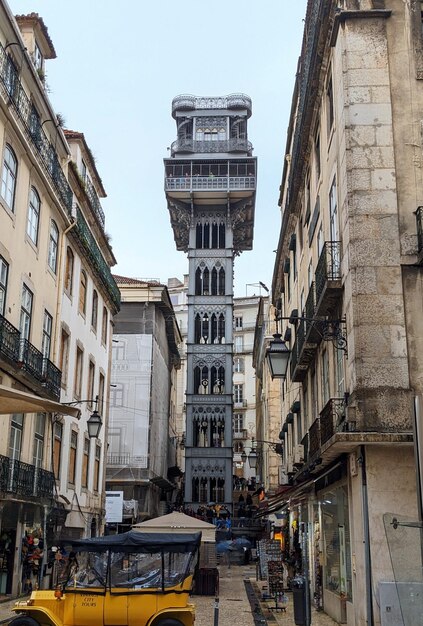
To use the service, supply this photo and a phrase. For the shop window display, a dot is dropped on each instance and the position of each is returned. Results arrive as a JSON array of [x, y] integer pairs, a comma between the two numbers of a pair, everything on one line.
[[32, 556], [336, 542]]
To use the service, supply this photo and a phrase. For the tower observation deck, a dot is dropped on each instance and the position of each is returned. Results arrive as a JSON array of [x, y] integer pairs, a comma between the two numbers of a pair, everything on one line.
[[210, 187]]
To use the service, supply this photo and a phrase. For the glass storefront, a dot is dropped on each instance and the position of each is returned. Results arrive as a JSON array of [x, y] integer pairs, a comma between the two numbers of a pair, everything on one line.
[[336, 548]]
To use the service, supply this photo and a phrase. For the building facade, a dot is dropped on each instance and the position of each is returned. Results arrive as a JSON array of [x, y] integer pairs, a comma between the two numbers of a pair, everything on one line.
[[347, 283], [39, 222], [210, 182], [141, 459]]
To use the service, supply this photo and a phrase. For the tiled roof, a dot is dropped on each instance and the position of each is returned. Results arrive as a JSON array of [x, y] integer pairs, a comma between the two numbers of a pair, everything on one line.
[[126, 280], [35, 18]]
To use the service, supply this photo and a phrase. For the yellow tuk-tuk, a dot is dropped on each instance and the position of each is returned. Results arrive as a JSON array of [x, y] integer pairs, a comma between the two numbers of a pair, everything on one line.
[[132, 579]]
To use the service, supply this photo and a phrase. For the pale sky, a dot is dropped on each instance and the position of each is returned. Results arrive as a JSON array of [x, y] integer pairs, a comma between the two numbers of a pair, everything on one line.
[[118, 66]]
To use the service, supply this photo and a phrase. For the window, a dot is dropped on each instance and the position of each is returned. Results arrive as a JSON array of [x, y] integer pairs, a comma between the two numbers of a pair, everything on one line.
[[239, 343], [97, 467], [11, 77], [26, 312], [310, 274], [333, 212], [317, 156], [85, 463], [340, 372], [64, 356], [91, 375], [94, 311], [82, 292], [104, 326], [238, 422], [238, 447], [72, 457], [8, 178], [53, 244], [57, 448], [78, 372], [325, 377], [239, 365], [38, 58], [33, 215], [320, 241], [39, 433], [101, 386], [35, 126], [83, 170], [238, 394], [15, 438], [47, 329], [238, 323], [329, 103], [69, 271], [4, 273]]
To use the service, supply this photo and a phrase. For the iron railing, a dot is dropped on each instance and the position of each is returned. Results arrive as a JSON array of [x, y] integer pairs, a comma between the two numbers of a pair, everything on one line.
[[43, 148], [127, 460], [197, 183], [331, 416], [419, 220], [52, 378], [314, 438], [234, 144], [232, 101], [304, 443], [94, 201], [26, 357], [31, 360], [310, 305], [9, 340], [23, 479], [328, 267], [99, 265]]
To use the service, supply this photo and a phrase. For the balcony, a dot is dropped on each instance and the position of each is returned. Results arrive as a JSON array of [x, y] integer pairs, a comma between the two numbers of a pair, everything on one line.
[[328, 278], [44, 150], [205, 183], [22, 479], [332, 418], [314, 442], [94, 202], [419, 224], [188, 102], [234, 144], [27, 363], [89, 247], [307, 340]]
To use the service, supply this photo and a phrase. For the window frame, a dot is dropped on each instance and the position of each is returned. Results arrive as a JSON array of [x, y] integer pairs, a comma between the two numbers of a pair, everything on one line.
[[25, 318], [53, 246], [33, 217], [83, 289], [47, 334], [85, 463], [57, 448], [79, 362], [69, 271], [73, 450], [7, 175], [94, 311], [4, 277]]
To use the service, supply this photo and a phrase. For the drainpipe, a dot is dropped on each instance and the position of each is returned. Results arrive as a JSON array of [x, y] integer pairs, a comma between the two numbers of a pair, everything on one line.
[[366, 531]]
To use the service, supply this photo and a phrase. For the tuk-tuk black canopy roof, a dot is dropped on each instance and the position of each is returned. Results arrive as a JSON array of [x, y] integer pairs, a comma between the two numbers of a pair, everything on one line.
[[133, 541]]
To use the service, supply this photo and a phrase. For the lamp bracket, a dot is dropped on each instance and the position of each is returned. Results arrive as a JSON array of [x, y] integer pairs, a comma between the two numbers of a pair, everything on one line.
[[329, 330]]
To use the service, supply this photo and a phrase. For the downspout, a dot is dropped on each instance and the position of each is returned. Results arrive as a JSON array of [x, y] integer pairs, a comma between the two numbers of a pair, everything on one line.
[[366, 530]]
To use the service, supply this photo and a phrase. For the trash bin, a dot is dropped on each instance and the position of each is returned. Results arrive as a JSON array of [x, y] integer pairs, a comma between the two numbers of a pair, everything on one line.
[[298, 586]]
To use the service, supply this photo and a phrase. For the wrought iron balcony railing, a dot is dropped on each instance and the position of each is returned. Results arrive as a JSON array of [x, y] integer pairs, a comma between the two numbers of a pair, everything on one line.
[[304, 442], [240, 434], [314, 438], [189, 102], [43, 148], [91, 249], [127, 460], [227, 145], [26, 480], [9, 340], [419, 220], [331, 417], [200, 183], [22, 355], [94, 202], [328, 267]]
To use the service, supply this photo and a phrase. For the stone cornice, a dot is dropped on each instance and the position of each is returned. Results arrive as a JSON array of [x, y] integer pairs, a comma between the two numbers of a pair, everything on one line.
[[342, 16]]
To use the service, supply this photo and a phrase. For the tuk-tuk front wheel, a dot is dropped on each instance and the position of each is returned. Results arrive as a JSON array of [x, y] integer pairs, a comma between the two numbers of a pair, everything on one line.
[[24, 620]]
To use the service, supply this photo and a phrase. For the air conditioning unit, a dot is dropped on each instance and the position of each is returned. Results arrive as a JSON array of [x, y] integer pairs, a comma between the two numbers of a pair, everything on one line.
[[298, 455], [283, 476]]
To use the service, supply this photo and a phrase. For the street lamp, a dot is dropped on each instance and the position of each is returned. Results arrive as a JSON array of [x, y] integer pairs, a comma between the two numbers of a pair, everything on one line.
[[277, 356], [94, 422]]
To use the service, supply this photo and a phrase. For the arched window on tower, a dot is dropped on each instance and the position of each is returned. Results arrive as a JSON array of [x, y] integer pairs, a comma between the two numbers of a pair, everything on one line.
[[215, 235], [222, 235], [221, 282], [198, 282], [206, 282], [221, 329], [197, 328], [214, 282], [199, 236], [201, 380], [206, 235], [214, 338]]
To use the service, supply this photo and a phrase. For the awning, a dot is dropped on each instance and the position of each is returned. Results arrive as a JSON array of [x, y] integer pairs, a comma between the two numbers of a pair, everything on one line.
[[15, 401]]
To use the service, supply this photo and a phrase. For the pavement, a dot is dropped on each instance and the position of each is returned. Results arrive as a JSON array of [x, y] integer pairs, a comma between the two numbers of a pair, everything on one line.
[[239, 603]]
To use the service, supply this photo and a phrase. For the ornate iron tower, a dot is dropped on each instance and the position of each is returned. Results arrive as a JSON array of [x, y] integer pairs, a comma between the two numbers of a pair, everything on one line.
[[210, 186]]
